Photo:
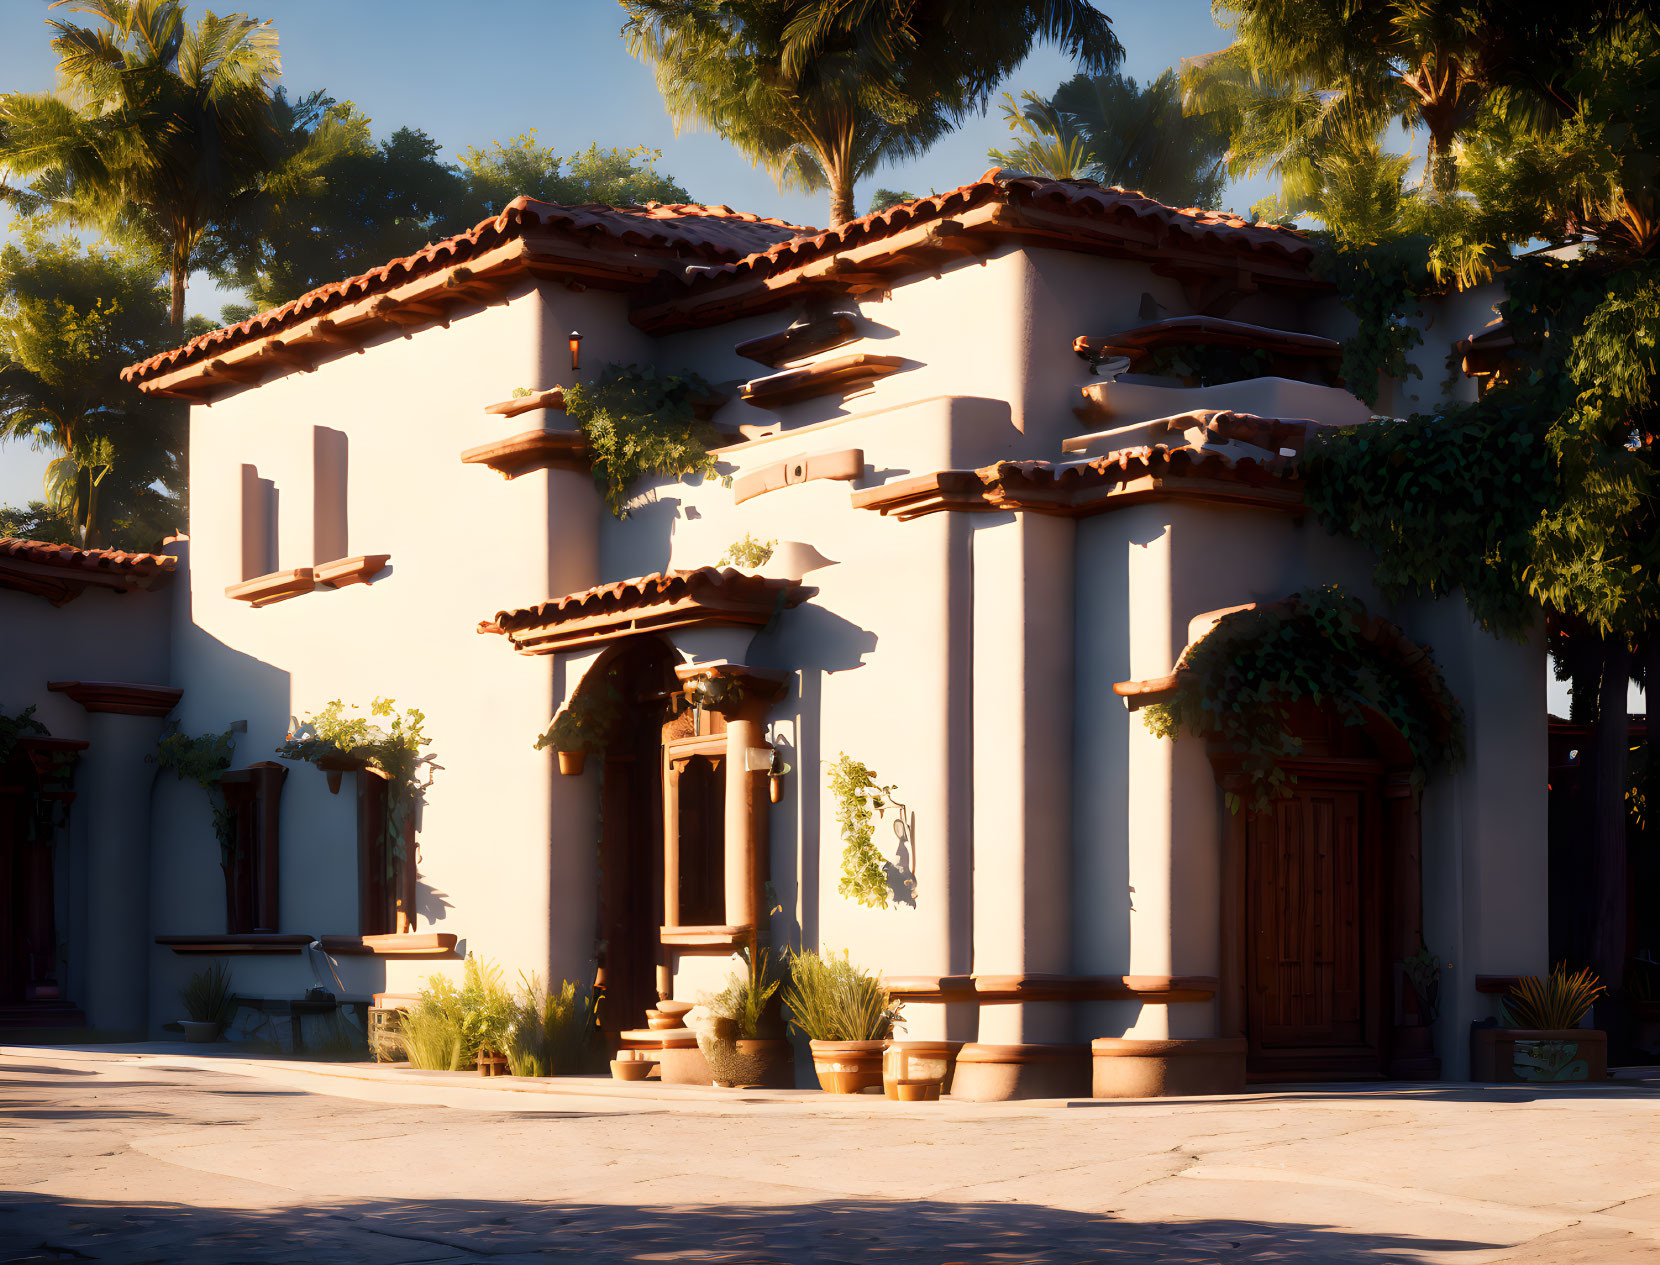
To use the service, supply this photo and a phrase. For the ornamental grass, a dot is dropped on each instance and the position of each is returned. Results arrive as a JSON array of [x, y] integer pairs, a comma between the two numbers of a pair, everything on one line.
[[1553, 1004], [747, 994], [549, 1034], [207, 997], [446, 1029], [830, 999]]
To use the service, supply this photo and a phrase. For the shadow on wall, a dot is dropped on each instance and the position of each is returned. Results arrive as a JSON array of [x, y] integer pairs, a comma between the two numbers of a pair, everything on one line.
[[838, 1230]]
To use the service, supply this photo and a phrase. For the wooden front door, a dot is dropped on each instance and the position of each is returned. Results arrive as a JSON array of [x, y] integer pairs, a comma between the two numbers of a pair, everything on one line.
[[1316, 975]]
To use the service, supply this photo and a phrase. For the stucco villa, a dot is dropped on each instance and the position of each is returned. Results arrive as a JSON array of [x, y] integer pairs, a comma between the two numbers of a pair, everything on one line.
[[1001, 521]]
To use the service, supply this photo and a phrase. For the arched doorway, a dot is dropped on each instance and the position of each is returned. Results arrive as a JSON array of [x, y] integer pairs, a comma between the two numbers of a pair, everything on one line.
[[1321, 900]]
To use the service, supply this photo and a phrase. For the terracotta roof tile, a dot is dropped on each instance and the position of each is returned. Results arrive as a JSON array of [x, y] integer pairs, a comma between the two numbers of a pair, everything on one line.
[[1083, 198], [69, 558], [662, 600], [1074, 488], [60, 573], [712, 233]]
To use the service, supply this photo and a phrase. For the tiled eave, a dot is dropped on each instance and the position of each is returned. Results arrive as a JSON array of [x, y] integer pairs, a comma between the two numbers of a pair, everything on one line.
[[661, 602], [1078, 489], [1211, 254], [60, 573]]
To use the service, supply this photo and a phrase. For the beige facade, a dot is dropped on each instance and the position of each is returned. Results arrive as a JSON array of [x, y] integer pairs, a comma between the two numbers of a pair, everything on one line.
[[1058, 873]]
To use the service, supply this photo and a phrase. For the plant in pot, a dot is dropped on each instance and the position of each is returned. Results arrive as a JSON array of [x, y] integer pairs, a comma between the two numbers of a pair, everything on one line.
[[742, 1040], [846, 1015], [1538, 1037], [208, 1001], [487, 1013], [583, 725]]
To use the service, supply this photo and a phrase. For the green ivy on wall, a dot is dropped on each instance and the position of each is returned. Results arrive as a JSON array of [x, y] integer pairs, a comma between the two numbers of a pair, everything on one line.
[[641, 422], [1378, 282], [748, 552], [1447, 502], [859, 799], [13, 729], [1237, 682], [204, 761]]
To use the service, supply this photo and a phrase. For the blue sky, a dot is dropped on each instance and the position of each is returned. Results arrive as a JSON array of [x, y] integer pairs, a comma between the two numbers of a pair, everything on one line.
[[468, 74]]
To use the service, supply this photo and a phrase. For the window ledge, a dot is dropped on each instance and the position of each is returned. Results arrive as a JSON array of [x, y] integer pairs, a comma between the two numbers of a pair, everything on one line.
[[346, 571], [236, 945], [723, 939], [278, 586], [426, 944]]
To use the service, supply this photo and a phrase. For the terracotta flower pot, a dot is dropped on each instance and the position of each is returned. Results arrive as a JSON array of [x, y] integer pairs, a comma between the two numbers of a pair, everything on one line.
[[571, 762], [631, 1069], [918, 1062], [198, 1032], [847, 1067]]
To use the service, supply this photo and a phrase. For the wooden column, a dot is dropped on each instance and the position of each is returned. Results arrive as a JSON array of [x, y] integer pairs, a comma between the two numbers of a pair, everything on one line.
[[743, 695]]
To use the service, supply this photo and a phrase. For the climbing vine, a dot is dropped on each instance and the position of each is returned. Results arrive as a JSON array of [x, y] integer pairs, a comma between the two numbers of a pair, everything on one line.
[[641, 422], [331, 736], [1378, 282], [13, 729], [1237, 683], [204, 760], [858, 797], [1447, 501]]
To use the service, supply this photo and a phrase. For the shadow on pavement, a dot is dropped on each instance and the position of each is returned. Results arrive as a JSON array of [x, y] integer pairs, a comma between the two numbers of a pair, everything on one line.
[[828, 1232]]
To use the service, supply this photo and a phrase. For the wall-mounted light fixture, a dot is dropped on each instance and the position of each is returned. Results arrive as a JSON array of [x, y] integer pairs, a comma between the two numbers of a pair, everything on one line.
[[576, 346]]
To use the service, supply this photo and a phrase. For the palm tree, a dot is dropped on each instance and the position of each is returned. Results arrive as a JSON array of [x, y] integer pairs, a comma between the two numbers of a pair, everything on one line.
[[157, 130], [1446, 66], [821, 92], [1108, 128]]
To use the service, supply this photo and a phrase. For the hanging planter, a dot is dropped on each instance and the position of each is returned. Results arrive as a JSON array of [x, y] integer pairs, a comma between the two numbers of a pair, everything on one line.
[[775, 778], [584, 724]]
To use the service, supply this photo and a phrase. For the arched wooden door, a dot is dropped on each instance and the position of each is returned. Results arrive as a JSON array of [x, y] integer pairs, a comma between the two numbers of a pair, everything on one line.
[[1318, 992]]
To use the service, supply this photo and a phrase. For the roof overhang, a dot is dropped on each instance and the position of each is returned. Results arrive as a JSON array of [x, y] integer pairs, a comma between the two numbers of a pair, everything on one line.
[[61, 573]]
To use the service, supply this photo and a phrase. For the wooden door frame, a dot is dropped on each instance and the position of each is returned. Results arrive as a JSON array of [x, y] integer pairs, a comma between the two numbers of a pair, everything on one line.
[[1406, 1044]]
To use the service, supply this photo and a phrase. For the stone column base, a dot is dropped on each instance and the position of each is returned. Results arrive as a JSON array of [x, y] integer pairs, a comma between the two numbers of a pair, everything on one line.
[[1173, 1068], [995, 1073]]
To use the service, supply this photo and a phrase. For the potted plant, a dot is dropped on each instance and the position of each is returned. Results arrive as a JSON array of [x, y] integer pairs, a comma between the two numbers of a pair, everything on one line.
[[1539, 1037], [487, 1013], [583, 725], [742, 1039], [845, 1014], [208, 1001]]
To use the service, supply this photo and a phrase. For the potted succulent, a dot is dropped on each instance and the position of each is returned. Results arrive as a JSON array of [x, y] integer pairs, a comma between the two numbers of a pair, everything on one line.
[[742, 1039], [1538, 1037], [208, 1001], [845, 1014]]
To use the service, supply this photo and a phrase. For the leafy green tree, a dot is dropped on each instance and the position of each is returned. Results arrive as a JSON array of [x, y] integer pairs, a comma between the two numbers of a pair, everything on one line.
[[822, 92], [497, 173], [158, 130], [370, 203], [882, 199], [37, 521], [1109, 128], [70, 319]]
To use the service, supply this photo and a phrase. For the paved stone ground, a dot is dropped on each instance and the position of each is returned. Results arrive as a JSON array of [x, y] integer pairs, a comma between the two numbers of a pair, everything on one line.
[[144, 1160]]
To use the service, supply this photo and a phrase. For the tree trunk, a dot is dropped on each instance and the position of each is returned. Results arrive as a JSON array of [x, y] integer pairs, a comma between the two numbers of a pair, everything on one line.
[[1610, 742], [181, 268]]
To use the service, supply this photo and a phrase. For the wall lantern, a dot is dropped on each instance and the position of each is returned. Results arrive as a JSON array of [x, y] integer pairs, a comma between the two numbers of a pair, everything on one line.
[[576, 346]]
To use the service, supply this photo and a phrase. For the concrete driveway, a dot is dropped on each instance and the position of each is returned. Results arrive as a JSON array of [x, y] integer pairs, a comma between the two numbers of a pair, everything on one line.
[[117, 1158]]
